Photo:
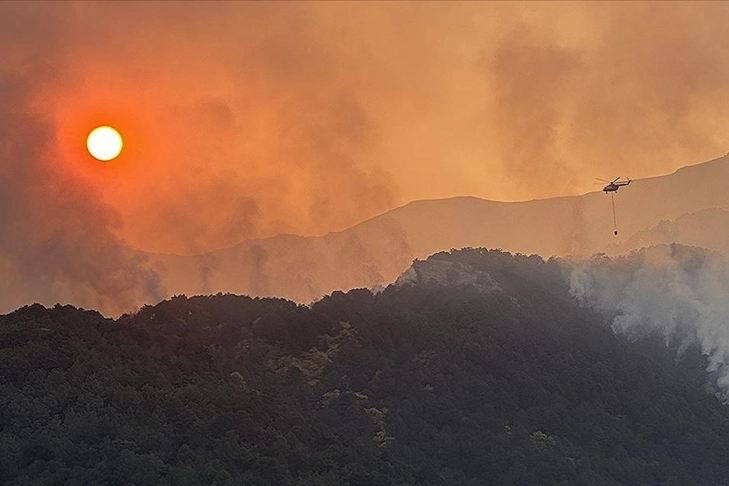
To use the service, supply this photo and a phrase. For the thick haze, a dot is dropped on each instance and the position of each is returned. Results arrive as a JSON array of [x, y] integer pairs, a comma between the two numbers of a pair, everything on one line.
[[57, 242], [250, 119]]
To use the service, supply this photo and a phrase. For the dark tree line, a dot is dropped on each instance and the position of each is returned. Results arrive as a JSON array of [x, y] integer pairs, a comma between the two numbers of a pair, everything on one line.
[[425, 384]]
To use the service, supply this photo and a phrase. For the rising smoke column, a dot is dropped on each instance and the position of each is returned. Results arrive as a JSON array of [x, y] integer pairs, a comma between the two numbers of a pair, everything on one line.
[[676, 292]]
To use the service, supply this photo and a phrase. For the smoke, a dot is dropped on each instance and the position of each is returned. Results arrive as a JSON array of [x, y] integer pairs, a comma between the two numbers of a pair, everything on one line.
[[246, 120], [259, 280], [56, 240], [675, 292], [609, 89], [533, 81], [207, 266], [575, 240], [251, 119]]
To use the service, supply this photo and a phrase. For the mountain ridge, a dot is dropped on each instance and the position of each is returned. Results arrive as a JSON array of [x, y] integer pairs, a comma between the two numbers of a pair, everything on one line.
[[375, 251], [690, 168]]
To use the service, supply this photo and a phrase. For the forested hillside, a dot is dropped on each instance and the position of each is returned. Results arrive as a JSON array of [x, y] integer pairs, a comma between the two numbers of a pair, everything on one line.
[[480, 369]]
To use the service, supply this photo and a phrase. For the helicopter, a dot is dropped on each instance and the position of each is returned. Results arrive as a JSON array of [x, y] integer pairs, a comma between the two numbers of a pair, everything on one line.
[[614, 185]]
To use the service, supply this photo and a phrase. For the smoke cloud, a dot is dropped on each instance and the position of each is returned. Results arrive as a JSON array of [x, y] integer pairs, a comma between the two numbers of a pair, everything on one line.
[[249, 119], [56, 240], [675, 292], [246, 120]]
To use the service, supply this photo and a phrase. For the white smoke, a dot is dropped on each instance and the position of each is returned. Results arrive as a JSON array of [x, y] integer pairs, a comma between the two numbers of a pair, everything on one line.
[[676, 292]]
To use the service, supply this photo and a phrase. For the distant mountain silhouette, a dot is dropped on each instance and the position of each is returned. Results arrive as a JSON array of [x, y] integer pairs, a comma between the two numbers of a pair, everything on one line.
[[376, 251]]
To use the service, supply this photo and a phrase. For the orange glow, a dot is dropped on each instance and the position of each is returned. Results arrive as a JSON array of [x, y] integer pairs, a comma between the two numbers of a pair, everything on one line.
[[242, 122], [75, 114]]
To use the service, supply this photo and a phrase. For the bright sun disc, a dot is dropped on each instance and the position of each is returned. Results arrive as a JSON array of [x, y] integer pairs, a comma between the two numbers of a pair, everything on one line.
[[104, 143]]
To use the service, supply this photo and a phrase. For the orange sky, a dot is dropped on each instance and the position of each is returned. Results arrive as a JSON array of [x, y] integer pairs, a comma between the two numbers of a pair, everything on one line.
[[250, 119]]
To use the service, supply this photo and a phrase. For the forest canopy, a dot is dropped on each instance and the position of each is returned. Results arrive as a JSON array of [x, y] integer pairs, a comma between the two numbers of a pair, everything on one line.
[[480, 369]]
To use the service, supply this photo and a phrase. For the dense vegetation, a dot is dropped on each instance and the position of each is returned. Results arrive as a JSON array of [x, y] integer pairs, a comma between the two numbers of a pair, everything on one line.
[[432, 383]]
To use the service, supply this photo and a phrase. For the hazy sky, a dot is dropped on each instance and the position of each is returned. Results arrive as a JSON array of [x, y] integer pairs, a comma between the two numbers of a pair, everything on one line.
[[249, 119]]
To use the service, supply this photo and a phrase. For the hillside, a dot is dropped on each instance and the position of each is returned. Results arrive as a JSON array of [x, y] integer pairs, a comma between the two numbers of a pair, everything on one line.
[[376, 251], [708, 228], [477, 367]]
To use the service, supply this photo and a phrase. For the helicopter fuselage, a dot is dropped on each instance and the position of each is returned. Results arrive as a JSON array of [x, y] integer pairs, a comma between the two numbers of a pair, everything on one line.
[[614, 186]]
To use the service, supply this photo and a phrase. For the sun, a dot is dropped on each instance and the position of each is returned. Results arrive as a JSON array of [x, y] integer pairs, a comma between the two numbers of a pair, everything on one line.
[[104, 143]]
